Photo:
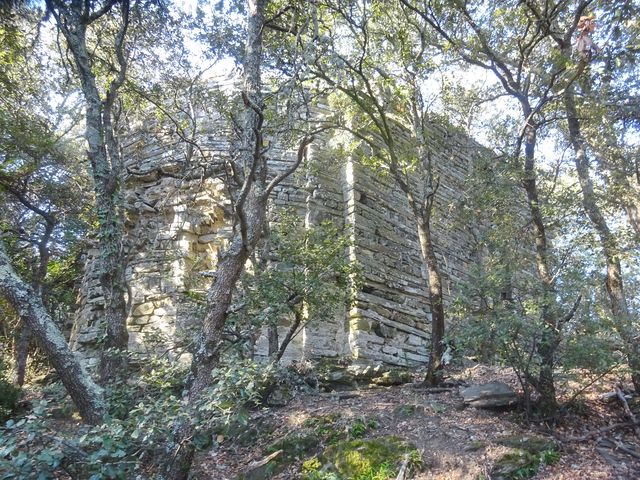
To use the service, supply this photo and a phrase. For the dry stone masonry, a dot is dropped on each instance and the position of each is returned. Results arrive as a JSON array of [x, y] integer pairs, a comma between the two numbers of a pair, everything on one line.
[[179, 220]]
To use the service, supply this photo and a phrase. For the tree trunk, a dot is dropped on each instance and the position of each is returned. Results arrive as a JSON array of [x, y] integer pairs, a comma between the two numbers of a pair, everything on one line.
[[550, 335], [106, 164], [272, 337], [87, 396], [290, 333], [21, 352], [614, 283], [631, 208], [251, 209], [432, 376], [219, 298]]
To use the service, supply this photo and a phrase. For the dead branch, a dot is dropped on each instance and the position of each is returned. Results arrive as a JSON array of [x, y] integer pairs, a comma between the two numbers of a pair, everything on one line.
[[615, 446], [404, 468], [627, 410], [595, 433]]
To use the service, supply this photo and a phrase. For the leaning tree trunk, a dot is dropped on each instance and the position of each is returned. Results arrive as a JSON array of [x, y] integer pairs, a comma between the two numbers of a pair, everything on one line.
[[622, 318], [251, 209], [219, 298], [86, 395], [23, 334]]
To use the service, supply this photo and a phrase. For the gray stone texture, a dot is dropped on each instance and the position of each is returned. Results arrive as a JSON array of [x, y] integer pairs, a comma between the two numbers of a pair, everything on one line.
[[178, 222], [489, 395]]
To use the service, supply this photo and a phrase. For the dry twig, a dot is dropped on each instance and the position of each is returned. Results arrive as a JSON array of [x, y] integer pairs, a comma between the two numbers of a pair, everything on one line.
[[596, 433], [404, 468], [627, 410]]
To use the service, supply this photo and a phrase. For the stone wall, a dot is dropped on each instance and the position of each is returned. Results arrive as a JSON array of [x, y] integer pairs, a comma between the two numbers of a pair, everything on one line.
[[390, 321], [177, 223]]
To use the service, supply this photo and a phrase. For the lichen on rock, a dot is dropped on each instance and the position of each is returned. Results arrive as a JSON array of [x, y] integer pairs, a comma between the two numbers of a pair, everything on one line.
[[371, 459]]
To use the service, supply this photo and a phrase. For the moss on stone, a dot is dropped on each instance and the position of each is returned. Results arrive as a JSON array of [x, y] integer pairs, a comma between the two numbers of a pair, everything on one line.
[[321, 421], [515, 464], [526, 457], [528, 443], [326, 427], [395, 376], [295, 445], [372, 459]]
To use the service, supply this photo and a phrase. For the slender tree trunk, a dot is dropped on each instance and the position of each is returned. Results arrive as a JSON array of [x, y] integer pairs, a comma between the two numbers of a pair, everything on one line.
[[550, 335], [614, 282], [106, 163], [87, 396], [219, 298], [253, 211], [252, 215], [21, 352], [23, 337], [436, 299], [422, 215], [298, 318], [272, 337], [631, 209], [627, 197], [207, 355]]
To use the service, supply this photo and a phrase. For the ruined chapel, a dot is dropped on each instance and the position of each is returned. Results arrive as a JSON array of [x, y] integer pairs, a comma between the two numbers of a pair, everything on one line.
[[178, 220]]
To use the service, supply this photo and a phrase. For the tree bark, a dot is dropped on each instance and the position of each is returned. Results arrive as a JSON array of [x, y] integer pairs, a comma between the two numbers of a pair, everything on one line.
[[106, 164], [298, 318], [623, 320], [550, 335], [272, 337], [87, 396], [21, 352], [422, 212], [432, 376], [251, 211], [219, 298]]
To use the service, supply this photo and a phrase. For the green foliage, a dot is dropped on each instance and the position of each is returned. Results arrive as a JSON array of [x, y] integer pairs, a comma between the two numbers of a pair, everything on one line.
[[502, 302], [243, 382], [141, 424], [360, 427], [327, 427], [308, 279], [373, 459], [521, 464], [9, 393]]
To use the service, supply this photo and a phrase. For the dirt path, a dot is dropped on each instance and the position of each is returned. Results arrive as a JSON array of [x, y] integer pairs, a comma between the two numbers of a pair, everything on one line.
[[456, 443]]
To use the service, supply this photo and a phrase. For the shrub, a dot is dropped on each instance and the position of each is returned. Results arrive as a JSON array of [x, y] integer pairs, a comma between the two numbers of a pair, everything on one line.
[[9, 395], [140, 425]]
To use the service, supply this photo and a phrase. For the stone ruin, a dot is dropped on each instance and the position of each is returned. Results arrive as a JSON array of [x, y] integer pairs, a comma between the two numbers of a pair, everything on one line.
[[178, 220]]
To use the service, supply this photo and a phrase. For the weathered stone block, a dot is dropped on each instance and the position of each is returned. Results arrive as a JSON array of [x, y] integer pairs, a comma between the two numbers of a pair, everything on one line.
[[209, 238], [489, 395], [144, 309], [142, 320]]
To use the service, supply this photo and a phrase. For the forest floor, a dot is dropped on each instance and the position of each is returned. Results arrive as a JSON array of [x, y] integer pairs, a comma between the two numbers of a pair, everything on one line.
[[456, 442]]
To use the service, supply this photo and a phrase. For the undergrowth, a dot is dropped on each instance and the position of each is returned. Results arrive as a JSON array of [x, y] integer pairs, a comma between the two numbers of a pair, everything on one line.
[[139, 425]]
